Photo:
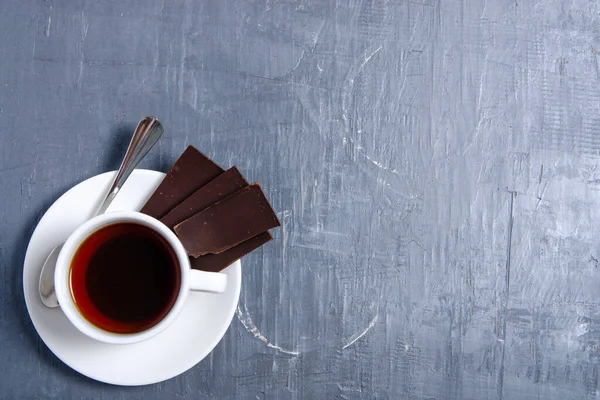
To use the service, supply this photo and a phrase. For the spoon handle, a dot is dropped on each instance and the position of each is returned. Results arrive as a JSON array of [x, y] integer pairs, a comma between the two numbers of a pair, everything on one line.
[[147, 133]]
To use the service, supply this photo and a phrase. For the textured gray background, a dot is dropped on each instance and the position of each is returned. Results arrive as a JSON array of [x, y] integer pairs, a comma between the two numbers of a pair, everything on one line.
[[434, 163]]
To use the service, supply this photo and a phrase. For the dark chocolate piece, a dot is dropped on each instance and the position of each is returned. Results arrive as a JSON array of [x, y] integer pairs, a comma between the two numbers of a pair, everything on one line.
[[219, 188], [189, 173], [222, 186], [218, 262], [237, 218]]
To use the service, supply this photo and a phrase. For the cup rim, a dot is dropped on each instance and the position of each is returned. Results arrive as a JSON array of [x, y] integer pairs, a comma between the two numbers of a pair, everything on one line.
[[62, 283]]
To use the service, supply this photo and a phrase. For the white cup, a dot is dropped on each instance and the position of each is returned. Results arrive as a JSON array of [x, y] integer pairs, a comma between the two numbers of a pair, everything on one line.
[[190, 279]]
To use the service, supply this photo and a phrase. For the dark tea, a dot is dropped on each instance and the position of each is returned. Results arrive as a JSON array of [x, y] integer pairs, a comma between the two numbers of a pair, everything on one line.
[[125, 278]]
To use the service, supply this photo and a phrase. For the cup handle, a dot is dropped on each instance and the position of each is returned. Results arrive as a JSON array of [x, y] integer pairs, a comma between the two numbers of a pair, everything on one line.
[[204, 281]]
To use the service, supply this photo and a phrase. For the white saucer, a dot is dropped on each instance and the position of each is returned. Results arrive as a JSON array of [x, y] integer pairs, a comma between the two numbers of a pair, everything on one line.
[[201, 324]]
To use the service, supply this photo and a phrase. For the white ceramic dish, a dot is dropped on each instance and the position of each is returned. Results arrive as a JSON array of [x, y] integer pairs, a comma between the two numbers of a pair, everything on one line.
[[201, 324]]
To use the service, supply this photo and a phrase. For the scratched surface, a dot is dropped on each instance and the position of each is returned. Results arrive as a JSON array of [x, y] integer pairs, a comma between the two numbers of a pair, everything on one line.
[[434, 163]]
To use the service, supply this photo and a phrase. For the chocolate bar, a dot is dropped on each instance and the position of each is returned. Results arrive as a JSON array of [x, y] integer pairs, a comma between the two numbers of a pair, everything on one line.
[[189, 173], [222, 186], [218, 262], [219, 188], [239, 217]]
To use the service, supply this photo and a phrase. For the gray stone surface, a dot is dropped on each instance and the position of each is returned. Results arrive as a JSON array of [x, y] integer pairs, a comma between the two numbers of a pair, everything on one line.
[[435, 164]]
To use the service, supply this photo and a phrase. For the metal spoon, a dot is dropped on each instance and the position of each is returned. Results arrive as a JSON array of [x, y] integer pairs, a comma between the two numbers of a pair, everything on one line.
[[147, 133]]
